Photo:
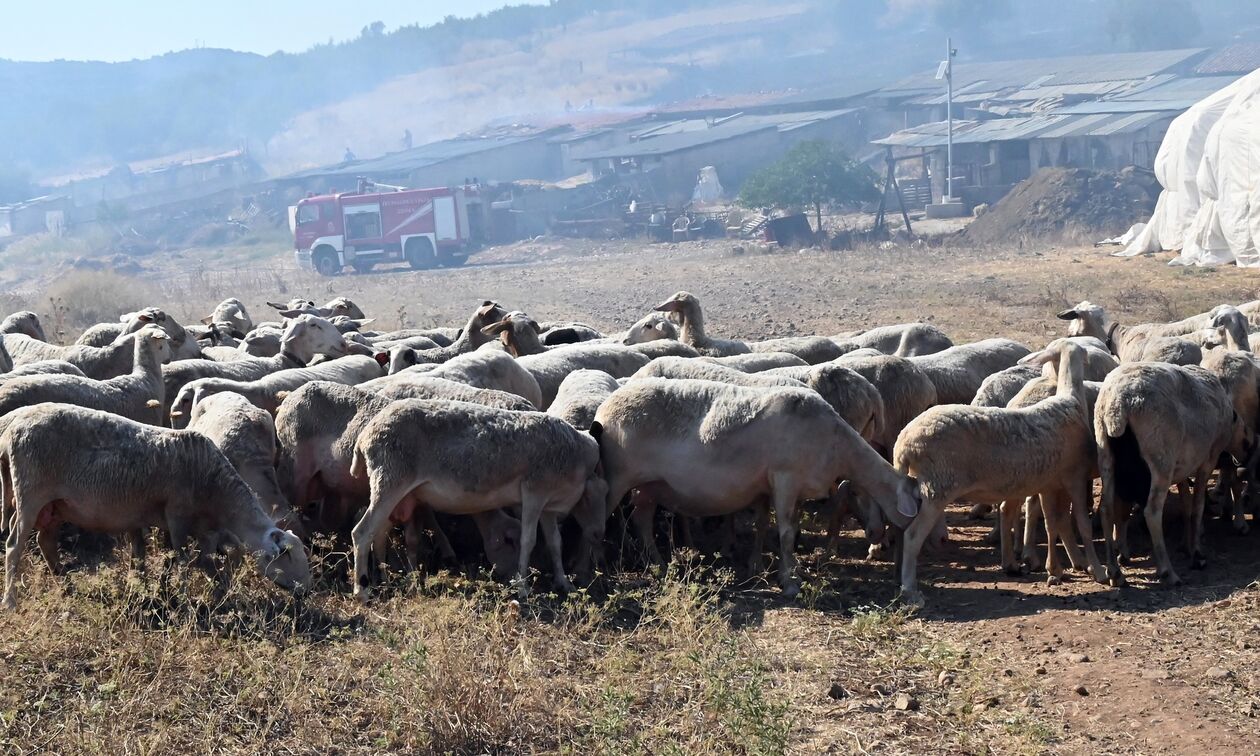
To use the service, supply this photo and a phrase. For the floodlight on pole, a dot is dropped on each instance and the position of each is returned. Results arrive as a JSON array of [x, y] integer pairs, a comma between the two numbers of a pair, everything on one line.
[[946, 70]]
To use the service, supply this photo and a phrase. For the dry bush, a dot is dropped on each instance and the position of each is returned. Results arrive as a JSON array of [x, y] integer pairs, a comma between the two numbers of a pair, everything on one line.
[[84, 298]]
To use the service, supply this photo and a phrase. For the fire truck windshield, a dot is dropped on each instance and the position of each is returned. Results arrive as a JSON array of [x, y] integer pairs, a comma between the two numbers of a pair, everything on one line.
[[307, 213]]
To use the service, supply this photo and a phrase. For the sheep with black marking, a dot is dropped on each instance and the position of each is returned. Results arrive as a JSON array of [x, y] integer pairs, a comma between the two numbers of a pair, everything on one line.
[[1157, 424]]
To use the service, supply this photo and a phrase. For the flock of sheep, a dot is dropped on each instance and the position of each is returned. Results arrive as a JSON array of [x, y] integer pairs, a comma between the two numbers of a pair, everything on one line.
[[244, 437]]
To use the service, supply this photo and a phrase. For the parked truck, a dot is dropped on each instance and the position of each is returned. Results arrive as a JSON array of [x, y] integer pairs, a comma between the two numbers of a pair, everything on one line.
[[380, 224]]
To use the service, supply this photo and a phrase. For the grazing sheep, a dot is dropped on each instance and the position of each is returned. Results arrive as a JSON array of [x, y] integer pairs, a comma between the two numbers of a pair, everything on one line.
[[231, 311], [853, 397], [682, 368], [183, 346], [812, 349], [756, 362], [651, 327], [903, 340], [304, 338], [336, 306], [998, 389], [957, 372], [25, 322], [905, 390], [997, 454], [686, 309], [263, 341], [438, 336], [265, 392], [102, 472], [480, 369], [414, 386], [664, 348], [1157, 424], [317, 426], [411, 453], [551, 367], [247, 437], [557, 333], [95, 362], [579, 396], [712, 449], [1239, 374], [43, 367], [136, 395], [401, 357]]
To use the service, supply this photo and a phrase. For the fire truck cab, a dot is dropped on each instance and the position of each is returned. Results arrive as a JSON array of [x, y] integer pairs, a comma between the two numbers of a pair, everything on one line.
[[381, 224]]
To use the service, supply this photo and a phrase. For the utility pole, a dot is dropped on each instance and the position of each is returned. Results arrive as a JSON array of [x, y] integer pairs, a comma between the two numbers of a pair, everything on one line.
[[950, 52]]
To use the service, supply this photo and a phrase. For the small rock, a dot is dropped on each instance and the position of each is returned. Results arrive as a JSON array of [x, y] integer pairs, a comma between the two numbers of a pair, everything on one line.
[[905, 702], [1008, 672], [880, 689], [1219, 673], [1078, 658], [837, 692], [1081, 690], [945, 679], [1155, 674], [1039, 671]]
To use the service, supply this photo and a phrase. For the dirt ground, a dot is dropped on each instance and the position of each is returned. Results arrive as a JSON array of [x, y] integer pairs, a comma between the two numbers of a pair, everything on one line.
[[992, 664]]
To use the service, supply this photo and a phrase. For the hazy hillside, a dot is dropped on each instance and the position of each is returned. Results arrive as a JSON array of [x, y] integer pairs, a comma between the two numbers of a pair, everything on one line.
[[306, 108]]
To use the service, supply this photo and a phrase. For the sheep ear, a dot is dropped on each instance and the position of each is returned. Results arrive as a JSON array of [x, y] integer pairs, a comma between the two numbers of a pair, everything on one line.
[[382, 358], [363, 321], [1068, 315], [208, 320], [273, 543], [496, 328], [669, 306], [908, 506], [1037, 358], [278, 306], [153, 404], [534, 324], [281, 395], [291, 313]]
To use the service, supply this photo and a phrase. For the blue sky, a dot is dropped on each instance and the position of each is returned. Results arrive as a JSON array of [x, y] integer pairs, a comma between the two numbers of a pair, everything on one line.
[[126, 29]]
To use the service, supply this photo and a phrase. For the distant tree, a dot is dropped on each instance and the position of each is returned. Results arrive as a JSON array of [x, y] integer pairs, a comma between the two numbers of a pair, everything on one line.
[[374, 29], [811, 175], [1152, 24]]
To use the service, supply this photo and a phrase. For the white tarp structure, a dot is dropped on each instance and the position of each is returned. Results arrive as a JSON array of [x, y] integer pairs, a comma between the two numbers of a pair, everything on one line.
[[1209, 166], [708, 189]]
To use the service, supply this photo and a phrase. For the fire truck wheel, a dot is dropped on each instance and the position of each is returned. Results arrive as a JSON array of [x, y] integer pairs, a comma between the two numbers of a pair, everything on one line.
[[453, 261], [420, 254], [326, 263]]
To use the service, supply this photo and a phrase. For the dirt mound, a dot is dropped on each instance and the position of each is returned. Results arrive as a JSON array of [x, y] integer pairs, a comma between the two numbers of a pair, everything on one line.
[[1075, 203]]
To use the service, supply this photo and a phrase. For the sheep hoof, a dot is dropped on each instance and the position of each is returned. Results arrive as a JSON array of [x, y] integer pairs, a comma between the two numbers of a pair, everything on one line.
[[979, 511], [1116, 579], [1013, 570], [993, 537], [1099, 575], [1198, 561], [1125, 559], [1054, 580], [564, 585], [874, 551], [1169, 578], [912, 598], [8, 605]]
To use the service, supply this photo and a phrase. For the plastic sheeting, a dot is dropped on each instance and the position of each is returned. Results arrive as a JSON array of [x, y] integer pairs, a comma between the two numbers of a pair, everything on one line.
[[1209, 166], [708, 189]]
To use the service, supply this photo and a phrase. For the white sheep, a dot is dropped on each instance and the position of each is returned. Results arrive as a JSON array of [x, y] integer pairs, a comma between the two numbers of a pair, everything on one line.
[[101, 472], [957, 372]]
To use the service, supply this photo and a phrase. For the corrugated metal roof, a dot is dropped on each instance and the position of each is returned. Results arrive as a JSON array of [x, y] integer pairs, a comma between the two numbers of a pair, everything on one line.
[[415, 158], [1049, 126], [662, 145], [1080, 69], [1242, 58], [696, 132], [1179, 88]]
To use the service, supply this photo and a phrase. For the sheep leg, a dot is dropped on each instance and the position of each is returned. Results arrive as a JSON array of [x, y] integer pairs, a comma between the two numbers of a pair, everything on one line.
[[19, 531], [46, 539], [411, 544], [785, 498], [1054, 507], [532, 506], [368, 529], [555, 547], [1197, 560], [643, 514], [1082, 494], [1107, 511], [380, 553], [440, 540], [756, 557], [1006, 530], [1155, 524], [842, 505], [911, 543], [1033, 516]]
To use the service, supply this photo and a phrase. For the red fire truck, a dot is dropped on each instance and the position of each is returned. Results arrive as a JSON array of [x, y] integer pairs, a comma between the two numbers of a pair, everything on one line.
[[384, 224]]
